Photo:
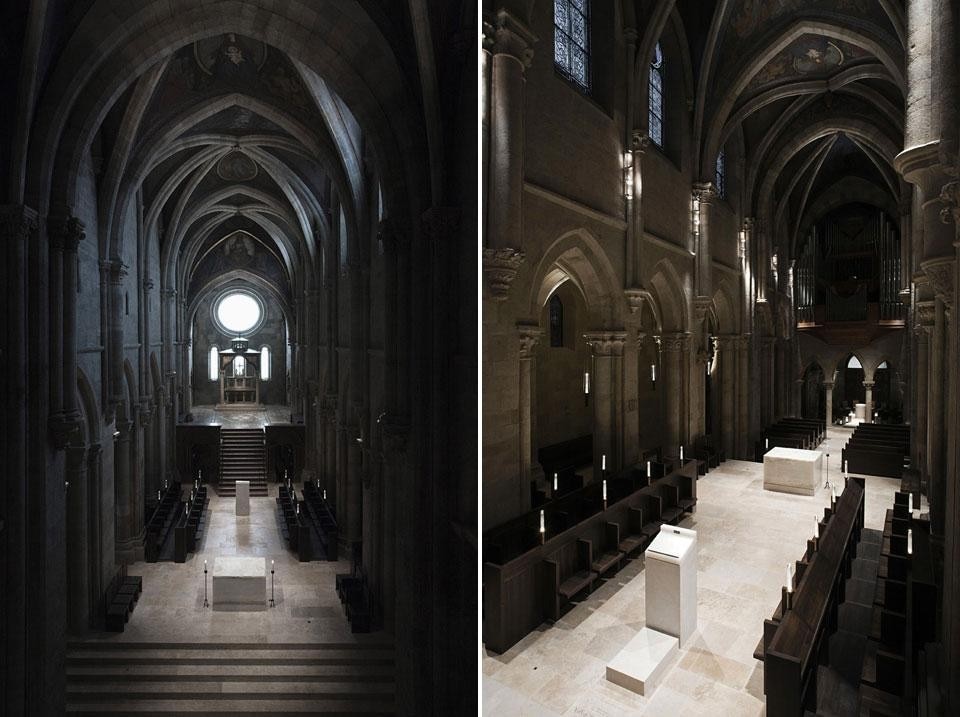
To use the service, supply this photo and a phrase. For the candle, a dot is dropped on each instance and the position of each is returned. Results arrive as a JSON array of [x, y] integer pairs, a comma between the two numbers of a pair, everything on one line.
[[555, 481], [271, 564], [603, 462], [653, 372], [158, 495], [816, 530], [298, 509], [789, 578], [204, 566], [910, 541], [844, 465], [910, 502], [324, 493], [543, 524], [586, 382], [681, 454], [766, 443], [604, 490], [648, 469]]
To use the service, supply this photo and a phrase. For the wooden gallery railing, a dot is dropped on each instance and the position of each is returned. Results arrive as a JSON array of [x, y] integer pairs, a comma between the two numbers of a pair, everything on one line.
[[796, 644], [521, 565]]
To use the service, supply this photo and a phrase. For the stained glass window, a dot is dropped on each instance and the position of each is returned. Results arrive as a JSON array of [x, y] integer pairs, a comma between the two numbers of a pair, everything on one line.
[[656, 97], [721, 180], [571, 40], [556, 321]]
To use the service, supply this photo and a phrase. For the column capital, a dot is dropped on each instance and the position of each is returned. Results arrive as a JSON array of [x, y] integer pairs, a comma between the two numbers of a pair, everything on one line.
[[635, 298], [923, 314], [63, 428], [705, 192], [869, 384], [500, 267], [828, 385], [530, 335], [18, 220], [65, 231], [676, 342], [505, 34], [395, 434], [749, 223], [950, 196], [940, 273], [606, 343], [727, 342], [440, 223], [639, 142]]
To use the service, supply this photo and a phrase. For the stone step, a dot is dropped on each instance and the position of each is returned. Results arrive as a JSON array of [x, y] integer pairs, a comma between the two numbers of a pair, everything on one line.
[[226, 687], [345, 655], [214, 673], [232, 706]]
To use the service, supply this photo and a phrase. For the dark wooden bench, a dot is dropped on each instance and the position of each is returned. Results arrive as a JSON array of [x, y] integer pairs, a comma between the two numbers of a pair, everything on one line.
[[567, 574], [633, 538], [610, 556]]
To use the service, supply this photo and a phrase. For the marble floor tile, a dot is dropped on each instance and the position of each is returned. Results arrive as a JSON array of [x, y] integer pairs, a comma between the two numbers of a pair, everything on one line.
[[746, 537]]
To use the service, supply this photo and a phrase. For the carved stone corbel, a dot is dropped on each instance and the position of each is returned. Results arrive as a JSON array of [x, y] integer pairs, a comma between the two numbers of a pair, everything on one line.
[[500, 266]]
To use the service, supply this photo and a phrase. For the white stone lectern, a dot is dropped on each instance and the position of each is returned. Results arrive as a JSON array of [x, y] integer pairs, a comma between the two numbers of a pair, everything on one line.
[[671, 579], [243, 497], [671, 569]]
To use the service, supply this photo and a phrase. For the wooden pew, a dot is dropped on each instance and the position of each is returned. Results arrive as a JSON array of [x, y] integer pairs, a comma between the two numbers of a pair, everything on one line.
[[609, 554], [633, 538], [514, 599], [566, 574], [794, 652]]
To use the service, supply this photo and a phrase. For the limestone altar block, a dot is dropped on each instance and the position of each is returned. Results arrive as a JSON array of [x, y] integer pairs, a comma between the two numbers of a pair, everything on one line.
[[239, 582], [860, 411], [671, 572], [243, 497], [640, 665], [791, 470]]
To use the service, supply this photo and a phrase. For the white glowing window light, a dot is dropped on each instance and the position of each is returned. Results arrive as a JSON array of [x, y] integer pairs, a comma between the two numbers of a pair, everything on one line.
[[238, 312], [265, 363], [213, 370]]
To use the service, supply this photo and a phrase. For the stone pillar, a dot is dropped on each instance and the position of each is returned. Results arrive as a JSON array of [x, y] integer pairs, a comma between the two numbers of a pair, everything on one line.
[[727, 357], [704, 195], [78, 587], [828, 387], [116, 271], [607, 397], [935, 415], [743, 403], [530, 336], [868, 401], [126, 534], [511, 54], [66, 233], [674, 347], [634, 210], [921, 364], [798, 397]]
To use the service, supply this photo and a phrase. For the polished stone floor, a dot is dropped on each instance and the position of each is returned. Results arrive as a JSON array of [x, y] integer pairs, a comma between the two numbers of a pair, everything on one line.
[[746, 538], [307, 607], [241, 418]]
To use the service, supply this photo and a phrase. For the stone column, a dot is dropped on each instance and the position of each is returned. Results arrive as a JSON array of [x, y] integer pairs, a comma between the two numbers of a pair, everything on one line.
[[935, 415], [798, 397], [116, 271], [126, 548], [868, 401], [529, 335], [511, 54], [743, 403], [66, 233], [78, 588], [828, 387], [673, 347], [704, 195], [634, 213], [919, 449], [607, 397], [727, 356]]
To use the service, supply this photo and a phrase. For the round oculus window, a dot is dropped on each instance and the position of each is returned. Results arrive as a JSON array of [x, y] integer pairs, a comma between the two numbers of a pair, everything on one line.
[[238, 312]]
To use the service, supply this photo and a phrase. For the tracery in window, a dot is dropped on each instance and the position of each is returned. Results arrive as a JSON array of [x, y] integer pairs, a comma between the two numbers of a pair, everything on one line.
[[556, 321], [571, 40], [655, 87], [721, 180]]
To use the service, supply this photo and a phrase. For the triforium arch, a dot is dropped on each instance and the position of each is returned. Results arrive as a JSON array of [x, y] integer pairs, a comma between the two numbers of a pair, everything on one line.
[[149, 143]]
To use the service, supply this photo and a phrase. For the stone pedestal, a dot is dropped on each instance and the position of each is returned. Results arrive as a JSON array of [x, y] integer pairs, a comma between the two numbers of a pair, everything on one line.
[[639, 665], [243, 497], [239, 583]]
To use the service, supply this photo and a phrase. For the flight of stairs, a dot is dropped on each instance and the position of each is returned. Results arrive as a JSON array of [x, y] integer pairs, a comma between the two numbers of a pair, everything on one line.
[[242, 457], [229, 679]]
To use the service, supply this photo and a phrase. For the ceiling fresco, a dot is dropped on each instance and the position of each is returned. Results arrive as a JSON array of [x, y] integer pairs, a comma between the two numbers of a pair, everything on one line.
[[808, 57]]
